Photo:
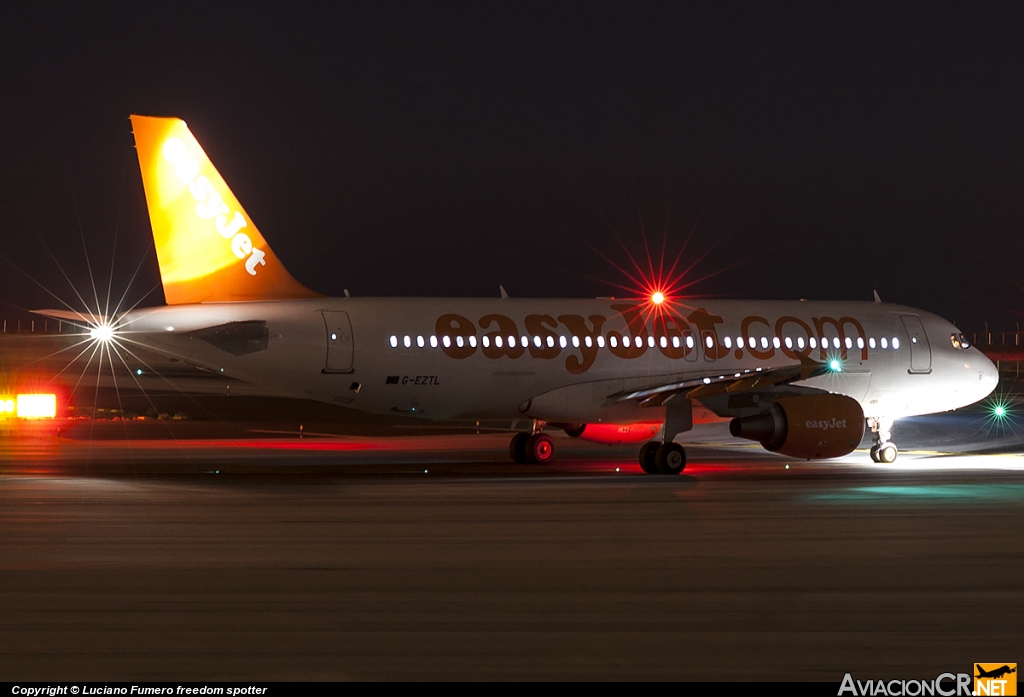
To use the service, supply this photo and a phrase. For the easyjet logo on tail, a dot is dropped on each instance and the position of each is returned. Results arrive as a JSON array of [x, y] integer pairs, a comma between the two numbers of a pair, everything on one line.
[[210, 204]]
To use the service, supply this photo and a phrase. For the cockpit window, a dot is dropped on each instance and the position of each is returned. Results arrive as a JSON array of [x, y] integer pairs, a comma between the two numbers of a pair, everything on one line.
[[959, 341]]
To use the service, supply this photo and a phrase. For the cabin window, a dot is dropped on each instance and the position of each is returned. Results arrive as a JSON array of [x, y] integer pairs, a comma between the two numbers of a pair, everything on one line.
[[709, 341], [871, 342], [420, 342], [775, 342], [739, 342], [613, 341], [499, 342], [789, 343], [588, 341], [459, 341], [447, 341], [849, 343], [433, 341], [394, 341], [689, 341], [600, 342], [536, 341], [885, 343], [562, 342], [895, 343], [472, 341], [764, 342], [675, 342], [575, 341], [800, 342], [727, 341]]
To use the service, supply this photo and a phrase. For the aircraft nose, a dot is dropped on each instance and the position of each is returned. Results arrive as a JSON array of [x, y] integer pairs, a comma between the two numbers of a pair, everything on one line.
[[988, 375]]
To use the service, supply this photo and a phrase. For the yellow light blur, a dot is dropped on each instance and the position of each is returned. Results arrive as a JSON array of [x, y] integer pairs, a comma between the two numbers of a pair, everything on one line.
[[6, 406], [37, 406], [657, 297]]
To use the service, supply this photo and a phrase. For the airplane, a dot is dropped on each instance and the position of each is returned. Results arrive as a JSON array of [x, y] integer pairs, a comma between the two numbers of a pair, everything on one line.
[[802, 378], [995, 673]]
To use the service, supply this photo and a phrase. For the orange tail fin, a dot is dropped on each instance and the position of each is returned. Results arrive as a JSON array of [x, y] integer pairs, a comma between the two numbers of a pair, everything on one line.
[[206, 244]]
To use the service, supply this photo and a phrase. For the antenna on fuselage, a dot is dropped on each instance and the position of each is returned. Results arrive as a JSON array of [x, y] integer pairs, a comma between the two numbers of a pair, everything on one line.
[[504, 294], [877, 299]]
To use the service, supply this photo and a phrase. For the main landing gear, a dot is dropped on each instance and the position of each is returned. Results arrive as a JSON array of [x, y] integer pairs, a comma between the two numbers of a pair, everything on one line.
[[662, 458], [884, 450], [668, 457], [534, 447]]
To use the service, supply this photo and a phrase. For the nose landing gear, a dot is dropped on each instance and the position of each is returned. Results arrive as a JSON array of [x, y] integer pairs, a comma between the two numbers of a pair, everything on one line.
[[536, 447], [884, 450]]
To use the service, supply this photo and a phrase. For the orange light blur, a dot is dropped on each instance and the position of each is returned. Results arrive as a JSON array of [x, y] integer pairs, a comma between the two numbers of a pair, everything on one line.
[[36, 406]]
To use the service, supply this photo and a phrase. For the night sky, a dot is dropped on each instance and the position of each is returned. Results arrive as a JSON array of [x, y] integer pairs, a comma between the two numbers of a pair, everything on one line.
[[441, 149]]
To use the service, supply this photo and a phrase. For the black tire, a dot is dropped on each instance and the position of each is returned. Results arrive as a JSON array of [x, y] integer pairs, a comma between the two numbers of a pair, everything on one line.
[[874, 453], [517, 448], [540, 449], [670, 458], [575, 431], [887, 453], [647, 457]]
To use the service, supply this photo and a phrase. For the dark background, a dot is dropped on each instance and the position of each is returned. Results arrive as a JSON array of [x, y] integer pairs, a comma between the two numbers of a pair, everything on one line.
[[442, 149]]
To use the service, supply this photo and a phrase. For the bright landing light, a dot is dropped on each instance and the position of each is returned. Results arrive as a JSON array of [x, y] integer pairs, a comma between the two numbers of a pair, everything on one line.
[[657, 297], [102, 332]]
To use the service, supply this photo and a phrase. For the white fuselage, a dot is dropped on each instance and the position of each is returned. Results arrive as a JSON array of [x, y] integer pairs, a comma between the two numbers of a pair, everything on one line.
[[562, 366]]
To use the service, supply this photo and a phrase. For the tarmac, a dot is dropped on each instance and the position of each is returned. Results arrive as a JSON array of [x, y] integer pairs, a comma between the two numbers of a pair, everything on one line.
[[268, 557]]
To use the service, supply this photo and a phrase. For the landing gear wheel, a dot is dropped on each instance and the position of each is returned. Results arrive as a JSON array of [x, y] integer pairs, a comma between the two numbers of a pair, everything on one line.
[[647, 457], [540, 449], [517, 448], [887, 453], [874, 453], [670, 458]]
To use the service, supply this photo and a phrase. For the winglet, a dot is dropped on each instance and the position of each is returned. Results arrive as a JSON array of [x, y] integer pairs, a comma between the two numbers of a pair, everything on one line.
[[207, 246], [877, 299]]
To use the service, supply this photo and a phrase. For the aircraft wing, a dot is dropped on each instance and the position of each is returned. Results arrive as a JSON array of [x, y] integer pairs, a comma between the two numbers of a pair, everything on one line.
[[733, 383]]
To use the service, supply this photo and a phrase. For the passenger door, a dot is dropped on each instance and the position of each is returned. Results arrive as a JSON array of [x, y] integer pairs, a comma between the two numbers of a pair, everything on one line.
[[920, 349]]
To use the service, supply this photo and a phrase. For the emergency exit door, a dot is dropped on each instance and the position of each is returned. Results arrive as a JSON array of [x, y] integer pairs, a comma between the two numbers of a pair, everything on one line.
[[339, 342]]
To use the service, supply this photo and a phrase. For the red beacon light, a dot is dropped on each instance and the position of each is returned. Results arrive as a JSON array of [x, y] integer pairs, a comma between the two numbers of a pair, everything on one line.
[[657, 297]]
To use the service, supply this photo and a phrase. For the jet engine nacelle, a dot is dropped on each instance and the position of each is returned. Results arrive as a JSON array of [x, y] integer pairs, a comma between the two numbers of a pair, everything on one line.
[[809, 427], [613, 434]]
